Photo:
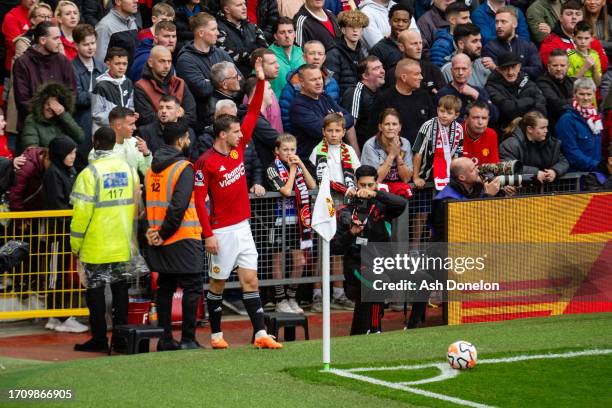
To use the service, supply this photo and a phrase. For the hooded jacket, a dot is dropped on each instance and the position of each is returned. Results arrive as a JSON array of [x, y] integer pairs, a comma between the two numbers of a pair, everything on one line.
[[39, 131], [185, 256], [148, 91], [292, 89], [26, 194], [108, 93], [378, 27], [59, 179], [443, 47], [526, 51], [34, 69], [141, 55], [516, 99], [239, 43], [342, 61], [194, 67], [578, 143], [85, 82], [558, 39], [286, 65], [534, 156], [309, 28]]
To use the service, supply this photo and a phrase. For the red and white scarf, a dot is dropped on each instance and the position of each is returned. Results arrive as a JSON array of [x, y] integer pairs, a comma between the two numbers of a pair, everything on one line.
[[592, 117], [303, 202], [443, 152]]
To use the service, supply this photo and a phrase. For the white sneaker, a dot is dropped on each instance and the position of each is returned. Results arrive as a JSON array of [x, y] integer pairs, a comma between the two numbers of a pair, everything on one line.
[[295, 307], [52, 323], [71, 325], [284, 307]]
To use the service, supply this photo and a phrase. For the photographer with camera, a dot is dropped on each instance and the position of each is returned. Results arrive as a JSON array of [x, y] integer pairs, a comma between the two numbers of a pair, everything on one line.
[[362, 221], [539, 154]]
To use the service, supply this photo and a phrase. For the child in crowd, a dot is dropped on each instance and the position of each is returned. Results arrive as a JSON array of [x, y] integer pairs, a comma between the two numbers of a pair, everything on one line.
[[583, 60], [288, 174], [439, 140], [160, 12], [112, 88], [341, 161]]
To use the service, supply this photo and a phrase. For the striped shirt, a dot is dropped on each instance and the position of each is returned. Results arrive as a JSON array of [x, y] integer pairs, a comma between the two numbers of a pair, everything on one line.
[[425, 145]]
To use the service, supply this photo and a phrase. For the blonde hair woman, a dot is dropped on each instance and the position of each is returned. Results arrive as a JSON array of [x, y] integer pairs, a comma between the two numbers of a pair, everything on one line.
[[67, 16]]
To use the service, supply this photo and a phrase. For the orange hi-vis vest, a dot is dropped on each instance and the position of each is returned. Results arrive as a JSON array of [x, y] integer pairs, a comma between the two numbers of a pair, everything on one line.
[[160, 187]]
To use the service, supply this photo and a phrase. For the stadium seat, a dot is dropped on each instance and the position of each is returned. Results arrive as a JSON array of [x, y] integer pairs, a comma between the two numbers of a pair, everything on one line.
[[136, 336], [274, 321]]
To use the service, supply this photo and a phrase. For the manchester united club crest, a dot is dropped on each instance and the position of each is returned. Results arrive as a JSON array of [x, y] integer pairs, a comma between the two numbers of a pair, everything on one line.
[[485, 152], [330, 207], [216, 269], [234, 154], [305, 216]]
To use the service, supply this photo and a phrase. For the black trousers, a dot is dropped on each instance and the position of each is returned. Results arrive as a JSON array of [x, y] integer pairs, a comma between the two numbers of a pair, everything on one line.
[[192, 285], [367, 316]]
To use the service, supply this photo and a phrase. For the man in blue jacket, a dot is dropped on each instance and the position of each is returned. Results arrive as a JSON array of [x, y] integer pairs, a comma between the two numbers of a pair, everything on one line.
[[444, 44], [165, 35], [309, 108], [507, 40], [484, 17]]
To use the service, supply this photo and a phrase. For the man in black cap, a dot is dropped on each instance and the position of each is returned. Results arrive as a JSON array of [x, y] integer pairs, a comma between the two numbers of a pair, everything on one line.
[[512, 91], [174, 236]]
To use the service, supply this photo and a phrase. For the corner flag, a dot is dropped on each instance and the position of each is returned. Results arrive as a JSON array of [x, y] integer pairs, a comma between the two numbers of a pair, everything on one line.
[[324, 214]]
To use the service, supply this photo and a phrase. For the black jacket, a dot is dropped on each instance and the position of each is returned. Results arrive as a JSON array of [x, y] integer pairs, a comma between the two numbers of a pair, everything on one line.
[[219, 96], [557, 94], [239, 43], [267, 15], [534, 155], [516, 99], [388, 52], [526, 52], [82, 112], [145, 108], [387, 207], [153, 134], [342, 62], [264, 138], [194, 67], [432, 77], [309, 28], [358, 100], [185, 255], [92, 11], [57, 186]]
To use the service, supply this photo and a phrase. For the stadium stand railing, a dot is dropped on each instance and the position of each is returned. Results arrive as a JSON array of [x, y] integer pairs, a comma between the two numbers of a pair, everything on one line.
[[37, 289]]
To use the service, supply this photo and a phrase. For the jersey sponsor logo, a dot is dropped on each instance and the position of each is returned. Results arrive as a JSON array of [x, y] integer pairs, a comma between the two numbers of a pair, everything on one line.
[[199, 178], [115, 180], [222, 168], [234, 154], [233, 176]]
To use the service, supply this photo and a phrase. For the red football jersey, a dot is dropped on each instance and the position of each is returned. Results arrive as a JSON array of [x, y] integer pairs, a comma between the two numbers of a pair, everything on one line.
[[222, 177], [484, 148]]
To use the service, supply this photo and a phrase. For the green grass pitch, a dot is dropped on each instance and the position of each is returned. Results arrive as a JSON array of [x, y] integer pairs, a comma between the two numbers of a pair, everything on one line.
[[291, 377]]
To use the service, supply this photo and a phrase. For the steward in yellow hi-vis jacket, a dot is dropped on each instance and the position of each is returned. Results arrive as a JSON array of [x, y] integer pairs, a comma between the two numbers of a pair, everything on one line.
[[175, 237], [104, 200]]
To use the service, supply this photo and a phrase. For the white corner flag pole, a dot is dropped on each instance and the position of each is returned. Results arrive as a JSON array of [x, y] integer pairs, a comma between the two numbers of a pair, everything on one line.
[[324, 222]]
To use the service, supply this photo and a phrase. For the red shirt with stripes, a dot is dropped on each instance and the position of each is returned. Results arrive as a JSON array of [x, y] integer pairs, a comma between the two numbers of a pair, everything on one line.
[[222, 177]]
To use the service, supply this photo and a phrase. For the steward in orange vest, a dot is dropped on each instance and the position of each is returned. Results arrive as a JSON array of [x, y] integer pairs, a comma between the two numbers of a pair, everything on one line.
[[175, 237]]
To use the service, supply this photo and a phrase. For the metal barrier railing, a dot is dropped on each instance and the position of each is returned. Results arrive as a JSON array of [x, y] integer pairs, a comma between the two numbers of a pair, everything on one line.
[[46, 284]]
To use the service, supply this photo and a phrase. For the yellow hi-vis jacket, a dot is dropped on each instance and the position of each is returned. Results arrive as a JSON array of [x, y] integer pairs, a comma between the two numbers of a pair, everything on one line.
[[103, 200]]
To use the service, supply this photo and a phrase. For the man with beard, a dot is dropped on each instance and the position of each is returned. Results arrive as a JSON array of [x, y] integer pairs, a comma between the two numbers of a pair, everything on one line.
[[507, 40], [157, 80], [512, 91], [359, 99], [165, 35], [468, 42], [557, 87]]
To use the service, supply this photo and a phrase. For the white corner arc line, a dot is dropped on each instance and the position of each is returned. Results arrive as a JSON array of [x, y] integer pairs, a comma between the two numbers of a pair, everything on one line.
[[401, 387], [446, 373]]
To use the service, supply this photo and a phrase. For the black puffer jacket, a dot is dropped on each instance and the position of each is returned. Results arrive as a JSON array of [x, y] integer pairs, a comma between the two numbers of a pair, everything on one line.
[[535, 156], [516, 99], [342, 61], [388, 52], [239, 43], [267, 15], [185, 255], [557, 94]]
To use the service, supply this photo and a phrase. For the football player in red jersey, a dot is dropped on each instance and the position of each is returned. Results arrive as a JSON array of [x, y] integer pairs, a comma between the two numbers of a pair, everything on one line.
[[220, 174]]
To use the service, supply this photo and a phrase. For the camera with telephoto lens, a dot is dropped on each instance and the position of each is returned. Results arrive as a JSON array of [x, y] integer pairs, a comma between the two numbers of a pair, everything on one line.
[[509, 173]]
